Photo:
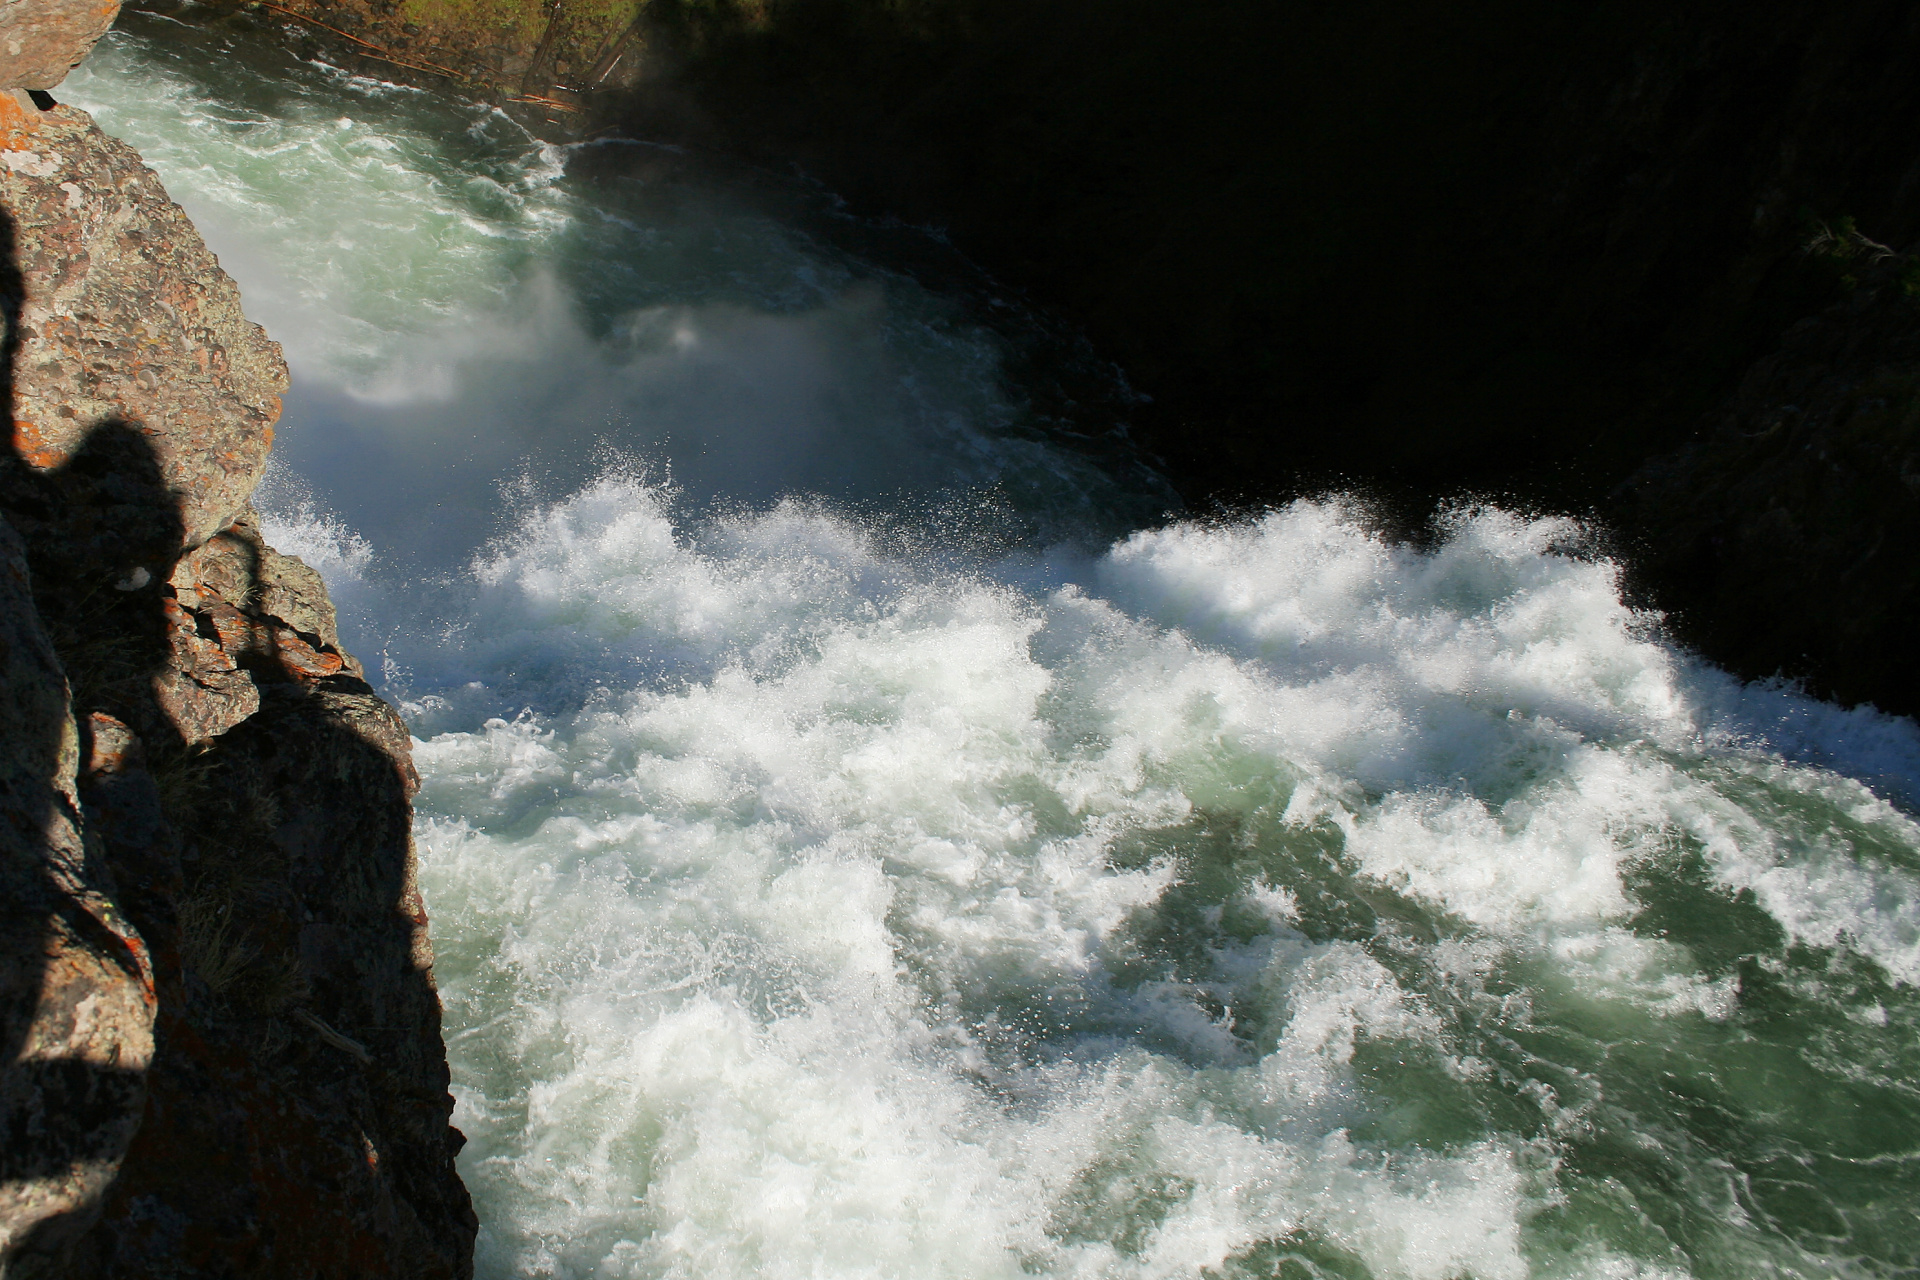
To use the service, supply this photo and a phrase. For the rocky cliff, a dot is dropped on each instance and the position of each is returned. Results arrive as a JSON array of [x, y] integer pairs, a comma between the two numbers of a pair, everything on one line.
[[223, 1051]]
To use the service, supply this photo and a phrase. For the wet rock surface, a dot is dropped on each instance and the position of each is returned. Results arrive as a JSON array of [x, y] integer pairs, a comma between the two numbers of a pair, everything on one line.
[[215, 979]]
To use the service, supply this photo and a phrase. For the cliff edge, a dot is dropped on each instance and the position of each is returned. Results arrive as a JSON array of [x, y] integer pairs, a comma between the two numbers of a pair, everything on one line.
[[223, 1052]]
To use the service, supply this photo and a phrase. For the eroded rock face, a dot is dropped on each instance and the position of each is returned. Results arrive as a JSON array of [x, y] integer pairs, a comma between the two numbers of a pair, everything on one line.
[[77, 997], [236, 608], [297, 1117], [127, 319], [42, 40], [222, 1035]]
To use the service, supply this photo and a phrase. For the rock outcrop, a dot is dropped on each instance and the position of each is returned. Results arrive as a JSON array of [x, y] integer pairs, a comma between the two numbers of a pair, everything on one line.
[[77, 995], [300, 1113], [223, 1052], [123, 320], [42, 40]]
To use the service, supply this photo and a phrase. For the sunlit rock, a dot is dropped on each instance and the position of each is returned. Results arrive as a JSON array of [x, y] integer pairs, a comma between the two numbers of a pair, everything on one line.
[[42, 40], [126, 319]]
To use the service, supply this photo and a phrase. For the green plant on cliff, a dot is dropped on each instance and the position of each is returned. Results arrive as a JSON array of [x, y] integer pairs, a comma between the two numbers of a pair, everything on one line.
[[559, 36], [181, 776], [1842, 241], [1860, 259], [514, 21], [210, 946], [1842, 244]]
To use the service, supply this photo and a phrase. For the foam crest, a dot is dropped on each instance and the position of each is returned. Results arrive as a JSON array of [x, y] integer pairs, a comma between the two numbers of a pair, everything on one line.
[[1505, 699], [1498, 621], [875, 919], [296, 524]]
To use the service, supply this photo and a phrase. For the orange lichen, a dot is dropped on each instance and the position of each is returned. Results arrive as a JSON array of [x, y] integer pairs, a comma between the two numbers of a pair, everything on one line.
[[18, 121], [33, 445]]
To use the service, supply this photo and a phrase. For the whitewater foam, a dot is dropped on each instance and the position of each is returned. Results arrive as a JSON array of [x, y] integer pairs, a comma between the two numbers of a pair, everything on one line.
[[948, 889], [833, 914]]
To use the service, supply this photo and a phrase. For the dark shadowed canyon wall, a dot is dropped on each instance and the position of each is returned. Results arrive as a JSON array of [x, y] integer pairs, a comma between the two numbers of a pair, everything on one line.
[[1517, 250], [222, 1040]]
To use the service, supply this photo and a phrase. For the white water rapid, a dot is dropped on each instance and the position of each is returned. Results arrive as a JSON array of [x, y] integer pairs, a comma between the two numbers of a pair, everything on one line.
[[866, 838]]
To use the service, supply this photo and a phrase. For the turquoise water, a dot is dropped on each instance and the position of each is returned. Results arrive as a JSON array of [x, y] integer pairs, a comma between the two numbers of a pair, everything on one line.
[[868, 836]]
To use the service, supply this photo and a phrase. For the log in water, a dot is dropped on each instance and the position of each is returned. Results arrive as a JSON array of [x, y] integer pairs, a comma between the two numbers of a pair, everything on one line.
[[866, 836]]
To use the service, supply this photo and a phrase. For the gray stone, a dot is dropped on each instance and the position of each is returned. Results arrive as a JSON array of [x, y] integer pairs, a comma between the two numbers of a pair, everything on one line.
[[127, 319]]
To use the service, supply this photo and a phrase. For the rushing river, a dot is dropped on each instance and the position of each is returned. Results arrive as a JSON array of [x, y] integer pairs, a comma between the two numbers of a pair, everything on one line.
[[867, 835]]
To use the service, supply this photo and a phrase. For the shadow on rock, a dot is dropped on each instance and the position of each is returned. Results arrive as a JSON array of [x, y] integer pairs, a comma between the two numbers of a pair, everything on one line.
[[247, 810], [77, 990]]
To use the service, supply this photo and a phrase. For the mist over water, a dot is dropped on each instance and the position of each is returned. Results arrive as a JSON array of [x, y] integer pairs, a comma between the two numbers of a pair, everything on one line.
[[463, 306], [866, 837]]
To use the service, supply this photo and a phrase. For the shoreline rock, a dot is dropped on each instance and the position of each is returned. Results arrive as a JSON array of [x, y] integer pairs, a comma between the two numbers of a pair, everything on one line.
[[223, 1038]]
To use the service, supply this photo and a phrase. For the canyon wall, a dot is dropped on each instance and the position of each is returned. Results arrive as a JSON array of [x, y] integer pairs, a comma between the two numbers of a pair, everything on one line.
[[223, 1050], [1542, 254]]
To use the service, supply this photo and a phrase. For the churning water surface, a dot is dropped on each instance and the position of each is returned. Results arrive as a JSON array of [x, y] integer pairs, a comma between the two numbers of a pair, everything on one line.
[[867, 836]]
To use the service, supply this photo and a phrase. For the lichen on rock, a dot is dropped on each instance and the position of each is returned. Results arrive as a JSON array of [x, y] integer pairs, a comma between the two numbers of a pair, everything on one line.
[[77, 997], [222, 1032], [126, 317], [42, 40]]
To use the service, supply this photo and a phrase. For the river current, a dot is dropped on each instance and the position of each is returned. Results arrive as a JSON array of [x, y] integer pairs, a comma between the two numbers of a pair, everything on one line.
[[869, 832]]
